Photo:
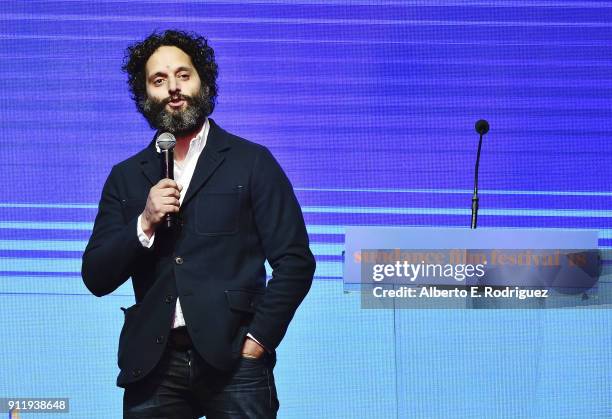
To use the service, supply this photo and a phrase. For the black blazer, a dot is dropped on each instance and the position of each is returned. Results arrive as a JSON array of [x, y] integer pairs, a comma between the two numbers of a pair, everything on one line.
[[239, 210]]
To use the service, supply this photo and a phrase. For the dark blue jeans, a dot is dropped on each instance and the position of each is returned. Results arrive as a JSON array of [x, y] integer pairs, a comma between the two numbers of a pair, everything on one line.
[[184, 386]]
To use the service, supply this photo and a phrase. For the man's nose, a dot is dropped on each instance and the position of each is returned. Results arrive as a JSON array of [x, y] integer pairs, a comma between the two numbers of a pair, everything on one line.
[[173, 86]]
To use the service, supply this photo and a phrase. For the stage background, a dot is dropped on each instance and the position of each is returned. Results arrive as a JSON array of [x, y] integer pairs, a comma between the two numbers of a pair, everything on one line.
[[370, 108]]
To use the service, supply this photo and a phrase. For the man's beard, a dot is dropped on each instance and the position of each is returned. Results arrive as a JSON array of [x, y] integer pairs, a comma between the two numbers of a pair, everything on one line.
[[175, 122]]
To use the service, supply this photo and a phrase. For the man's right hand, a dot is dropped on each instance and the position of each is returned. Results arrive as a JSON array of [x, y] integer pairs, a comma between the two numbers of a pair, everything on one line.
[[163, 199]]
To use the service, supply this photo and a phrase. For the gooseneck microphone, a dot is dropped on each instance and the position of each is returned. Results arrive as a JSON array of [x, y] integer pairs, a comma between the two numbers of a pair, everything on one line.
[[482, 127], [166, 143]]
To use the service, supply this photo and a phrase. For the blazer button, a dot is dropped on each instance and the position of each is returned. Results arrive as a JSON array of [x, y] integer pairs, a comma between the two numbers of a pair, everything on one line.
[[168, 299], [160, 339], [136, 372], [178, 260]]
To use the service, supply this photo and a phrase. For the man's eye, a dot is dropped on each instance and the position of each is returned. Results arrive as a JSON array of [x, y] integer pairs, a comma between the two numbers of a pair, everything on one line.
[[184, 76], [158, 82]]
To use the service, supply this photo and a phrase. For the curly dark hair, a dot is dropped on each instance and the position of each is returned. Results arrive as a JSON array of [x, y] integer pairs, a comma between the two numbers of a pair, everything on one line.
[[194, 45]]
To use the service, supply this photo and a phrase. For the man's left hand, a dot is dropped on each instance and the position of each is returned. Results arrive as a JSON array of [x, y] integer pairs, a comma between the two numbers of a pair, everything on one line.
[[252, 349]]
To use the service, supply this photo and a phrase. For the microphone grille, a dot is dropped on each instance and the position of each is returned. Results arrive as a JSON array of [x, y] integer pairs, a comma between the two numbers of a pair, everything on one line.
[[482, 126], [166, 141]]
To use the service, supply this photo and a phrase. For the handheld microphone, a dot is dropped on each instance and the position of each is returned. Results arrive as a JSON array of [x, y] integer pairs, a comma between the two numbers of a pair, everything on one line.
[[166, 143], [482, 127]]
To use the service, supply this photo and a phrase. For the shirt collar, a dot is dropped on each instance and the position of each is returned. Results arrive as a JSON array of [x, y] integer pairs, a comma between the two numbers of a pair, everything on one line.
[[198, 142]]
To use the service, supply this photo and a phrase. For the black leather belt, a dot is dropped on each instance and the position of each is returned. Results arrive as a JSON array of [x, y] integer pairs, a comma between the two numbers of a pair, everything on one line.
[[179, 339]]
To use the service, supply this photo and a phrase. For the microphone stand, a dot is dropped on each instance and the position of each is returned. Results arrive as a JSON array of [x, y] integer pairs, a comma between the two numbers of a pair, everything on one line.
[[482, 127], [475, 195]]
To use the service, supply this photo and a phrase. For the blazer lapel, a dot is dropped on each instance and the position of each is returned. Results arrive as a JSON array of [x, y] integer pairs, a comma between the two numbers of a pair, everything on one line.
[[150, 164], [209, 160]]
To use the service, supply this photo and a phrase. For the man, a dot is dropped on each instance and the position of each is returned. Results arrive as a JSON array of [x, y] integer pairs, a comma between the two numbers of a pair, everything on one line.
[[200, 339]]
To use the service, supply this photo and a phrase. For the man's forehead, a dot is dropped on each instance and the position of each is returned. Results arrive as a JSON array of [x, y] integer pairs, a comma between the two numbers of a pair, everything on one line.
[[167, 58]]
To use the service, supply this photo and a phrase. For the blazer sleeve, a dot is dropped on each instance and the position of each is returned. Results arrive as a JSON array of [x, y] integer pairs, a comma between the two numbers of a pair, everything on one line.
[[280, 225], [113, 246]]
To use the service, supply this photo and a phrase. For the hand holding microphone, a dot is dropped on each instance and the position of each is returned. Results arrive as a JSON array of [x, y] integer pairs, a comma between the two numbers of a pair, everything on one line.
[[163, 201], [164, 197]]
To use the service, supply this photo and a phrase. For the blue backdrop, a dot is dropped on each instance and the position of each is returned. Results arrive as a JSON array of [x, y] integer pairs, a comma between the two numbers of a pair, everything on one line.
[[370, 108]]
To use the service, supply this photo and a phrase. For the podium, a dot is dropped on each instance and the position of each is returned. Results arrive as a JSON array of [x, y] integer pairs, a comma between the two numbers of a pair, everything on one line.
[[566, 284]]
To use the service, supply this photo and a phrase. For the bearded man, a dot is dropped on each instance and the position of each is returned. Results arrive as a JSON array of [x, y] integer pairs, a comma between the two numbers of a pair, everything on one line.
[[201, 338]]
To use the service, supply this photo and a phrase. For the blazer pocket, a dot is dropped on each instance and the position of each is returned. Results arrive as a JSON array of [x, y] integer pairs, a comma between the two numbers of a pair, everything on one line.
[[218, 213], [243, 300], [128, 323]]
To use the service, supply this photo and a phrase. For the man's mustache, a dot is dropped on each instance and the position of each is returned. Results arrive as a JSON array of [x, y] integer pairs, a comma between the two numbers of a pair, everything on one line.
[[169, 99]]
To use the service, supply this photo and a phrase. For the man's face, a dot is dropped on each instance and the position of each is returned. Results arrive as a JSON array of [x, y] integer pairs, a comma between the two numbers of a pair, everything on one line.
[[175, 99]]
